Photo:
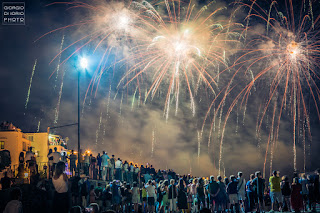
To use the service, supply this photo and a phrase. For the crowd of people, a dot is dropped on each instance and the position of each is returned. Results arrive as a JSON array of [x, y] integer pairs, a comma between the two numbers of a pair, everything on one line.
[[109, 184]]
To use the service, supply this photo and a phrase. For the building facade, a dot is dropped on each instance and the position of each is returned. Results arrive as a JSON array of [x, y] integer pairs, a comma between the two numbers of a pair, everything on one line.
[[15, 141], [40, 144]]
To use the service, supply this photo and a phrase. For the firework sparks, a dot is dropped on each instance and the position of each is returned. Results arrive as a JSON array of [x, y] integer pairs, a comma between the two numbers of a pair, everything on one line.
[[177, 49], [58, 66], [111, 27], [99, 128], [182, 49], [290, 52], [199, 146], [30, 84], [56, 114], [153, 141], [38, 128]]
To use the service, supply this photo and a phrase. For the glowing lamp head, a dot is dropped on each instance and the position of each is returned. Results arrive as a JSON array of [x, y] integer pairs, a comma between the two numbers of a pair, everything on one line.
[[84, 63]]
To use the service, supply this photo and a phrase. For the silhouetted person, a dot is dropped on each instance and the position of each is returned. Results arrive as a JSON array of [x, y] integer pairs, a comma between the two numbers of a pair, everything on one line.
[[21, 165], [259, 186], [55, 156], [29, 156], [15, 205], [73, 159], [5, 181]]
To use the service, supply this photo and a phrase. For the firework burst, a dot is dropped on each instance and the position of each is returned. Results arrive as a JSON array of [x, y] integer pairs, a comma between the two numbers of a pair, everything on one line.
[[105, 29], [181, 49], [285, 58]]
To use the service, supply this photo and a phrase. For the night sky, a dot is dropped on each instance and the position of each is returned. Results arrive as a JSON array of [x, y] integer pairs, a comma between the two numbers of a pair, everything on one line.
[[133, 131]]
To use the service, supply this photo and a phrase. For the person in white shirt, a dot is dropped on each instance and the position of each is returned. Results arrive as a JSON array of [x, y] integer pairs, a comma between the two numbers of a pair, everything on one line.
[[60, 183], [151, 195], [104, 165], [118, 166], [29, 155], [55, 157], [30, 160], [15, 205], [241, 190]]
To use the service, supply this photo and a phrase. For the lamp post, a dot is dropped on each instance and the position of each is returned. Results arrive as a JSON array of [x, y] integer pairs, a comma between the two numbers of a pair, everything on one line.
[[84, 65]]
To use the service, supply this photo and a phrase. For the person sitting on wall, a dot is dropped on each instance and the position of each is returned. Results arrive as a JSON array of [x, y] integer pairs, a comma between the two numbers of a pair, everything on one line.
[[31, 161], [55, 157]]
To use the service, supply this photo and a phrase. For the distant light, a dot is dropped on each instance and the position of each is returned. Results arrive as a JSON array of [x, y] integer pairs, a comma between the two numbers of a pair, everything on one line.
[[26, 175], [84, 63]]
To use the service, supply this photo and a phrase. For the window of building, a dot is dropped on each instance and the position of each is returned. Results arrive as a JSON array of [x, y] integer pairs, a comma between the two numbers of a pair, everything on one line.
[[30, 137], [1, 144], [24, 146]]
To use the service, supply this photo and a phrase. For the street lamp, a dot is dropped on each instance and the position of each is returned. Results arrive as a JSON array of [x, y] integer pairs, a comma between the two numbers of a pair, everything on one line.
[[84, 65]]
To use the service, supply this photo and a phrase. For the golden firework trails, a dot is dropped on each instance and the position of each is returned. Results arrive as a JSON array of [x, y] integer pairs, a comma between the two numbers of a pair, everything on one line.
[[30, 84], [180, 43], [180, 49], [108, 27], [172, 46], [285, 58]]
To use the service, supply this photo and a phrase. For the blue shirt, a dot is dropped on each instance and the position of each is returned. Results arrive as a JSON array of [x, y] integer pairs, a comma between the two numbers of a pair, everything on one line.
[[104, 160], [249, 187]]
